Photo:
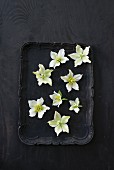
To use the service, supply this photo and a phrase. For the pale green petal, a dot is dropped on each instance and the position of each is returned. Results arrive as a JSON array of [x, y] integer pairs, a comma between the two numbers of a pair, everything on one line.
[[71, 102], [57, 116], [86, 59], [58, 129], [32, 103], [71, 108], [53, 54], [65, 128], [86, 51], [48, 72], [79, 49], [48, 81], [70, 73], [78, 77], [65, 119], [69, 87], [37, 74], [32, 113], [40, 101], [77, 62], [64, 78], [41, 68], [74, 56], [61, 53], [52, 123], [75, 86]]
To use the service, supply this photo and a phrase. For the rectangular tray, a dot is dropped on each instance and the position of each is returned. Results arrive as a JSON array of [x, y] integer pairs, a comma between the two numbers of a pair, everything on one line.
[[36, 131]]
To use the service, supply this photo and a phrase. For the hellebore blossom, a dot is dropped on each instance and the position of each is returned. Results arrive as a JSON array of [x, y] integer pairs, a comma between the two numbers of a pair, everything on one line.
[[57, 58], [75, 105], [43, 75], [59, 123], [71, 80], [81, 56], [37, 107]]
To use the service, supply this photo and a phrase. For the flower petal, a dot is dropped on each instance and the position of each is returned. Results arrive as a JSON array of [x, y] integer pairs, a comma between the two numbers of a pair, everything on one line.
[[75, 86], [45, 108], [77, 110], [53, 54], [61, 52], [40, 114], [78, 77], [86, 50], [86, 59], [48, 72], [65, 128], [74, 56], [40, 81], [52, 63], [79, 49], [57, 116], [77, 101], [70, 73], [58, 129], [77, 62], [41, 68], [32, 103], [64, 78], [40, 101], [65, 119], [69, 87], [52, 123], [64, 59], [48, 81], [71, 102], [32, 113]]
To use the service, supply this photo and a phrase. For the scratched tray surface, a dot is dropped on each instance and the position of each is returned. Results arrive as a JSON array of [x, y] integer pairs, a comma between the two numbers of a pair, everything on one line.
[[37, 131]]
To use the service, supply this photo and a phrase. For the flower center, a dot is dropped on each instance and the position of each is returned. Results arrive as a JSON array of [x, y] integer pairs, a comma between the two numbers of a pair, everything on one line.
[[58, 98], [38, 108], [71, 80], [58, 59], [75, 106], [81, 56]]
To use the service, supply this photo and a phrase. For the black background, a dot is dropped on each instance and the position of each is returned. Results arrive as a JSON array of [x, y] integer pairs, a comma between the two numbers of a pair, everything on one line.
[[88, 22]]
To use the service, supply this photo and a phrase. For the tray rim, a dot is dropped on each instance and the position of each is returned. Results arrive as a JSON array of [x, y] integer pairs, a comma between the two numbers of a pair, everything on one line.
[[35, 140]]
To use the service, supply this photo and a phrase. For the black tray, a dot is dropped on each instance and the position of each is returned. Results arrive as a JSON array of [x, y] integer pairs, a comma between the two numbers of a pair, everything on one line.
[[36, 131]]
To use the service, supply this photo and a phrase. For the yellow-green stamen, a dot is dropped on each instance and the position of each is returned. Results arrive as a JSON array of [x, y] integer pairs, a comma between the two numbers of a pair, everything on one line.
[[38, 108], [71, 80]]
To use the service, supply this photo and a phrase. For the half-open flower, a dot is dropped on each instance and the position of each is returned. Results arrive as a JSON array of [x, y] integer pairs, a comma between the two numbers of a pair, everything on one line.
[[37, 107], [57, 58], [59, 123], [57, 98], [71, 80], [43, 75], [81, 56], [75, 105]]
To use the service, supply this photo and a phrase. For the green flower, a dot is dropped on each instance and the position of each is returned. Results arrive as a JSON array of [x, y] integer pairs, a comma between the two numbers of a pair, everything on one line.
[[43, 75], [71, 80], [81, 56], [75, 105], [59, 123]]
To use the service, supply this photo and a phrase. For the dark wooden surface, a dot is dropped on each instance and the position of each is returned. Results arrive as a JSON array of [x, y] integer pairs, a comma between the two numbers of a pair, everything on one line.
[[83, 21]]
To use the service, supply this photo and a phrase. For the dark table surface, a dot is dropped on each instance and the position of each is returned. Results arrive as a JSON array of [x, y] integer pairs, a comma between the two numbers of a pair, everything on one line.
[[82, 21]]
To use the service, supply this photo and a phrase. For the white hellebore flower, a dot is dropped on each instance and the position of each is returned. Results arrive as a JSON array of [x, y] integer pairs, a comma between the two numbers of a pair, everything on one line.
[[81, 56], [59, 123], [43, 75], [57, 98], [58, 58], [37, 107], [71, 80], [75, 105]]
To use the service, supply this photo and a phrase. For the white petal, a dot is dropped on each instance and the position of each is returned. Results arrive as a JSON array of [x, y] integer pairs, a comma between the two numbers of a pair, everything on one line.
[[86, 51], [57, 116], [77, 62], [51, 96], [79, 49], [70, 73], [40, 81], [32, 113], [78, 77], [32, 103], [71, 102], [75, 86], [74, 56], [48, 81], [71, 108], [69, 87], [77, 110], [57, 103], [65, 119], [86, 59], [77, 101], [53, 54], [64, 59], [64, 78], [57, 64], [58, 129], [40, 114], [52, 63], [52, 123], [65, 128], [61, 53], [45, 108], [40, 101]]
